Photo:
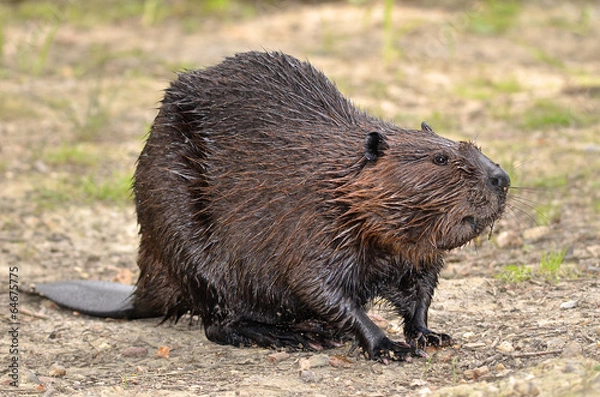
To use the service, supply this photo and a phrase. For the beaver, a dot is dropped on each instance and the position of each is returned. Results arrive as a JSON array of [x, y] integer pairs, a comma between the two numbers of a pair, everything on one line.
[[274, 210]]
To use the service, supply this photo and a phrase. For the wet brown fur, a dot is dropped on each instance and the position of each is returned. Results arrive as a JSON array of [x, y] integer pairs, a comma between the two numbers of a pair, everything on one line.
[[274, 210]]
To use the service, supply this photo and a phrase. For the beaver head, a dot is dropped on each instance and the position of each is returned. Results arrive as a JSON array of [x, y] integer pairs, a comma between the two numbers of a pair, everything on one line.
[[420, 194]]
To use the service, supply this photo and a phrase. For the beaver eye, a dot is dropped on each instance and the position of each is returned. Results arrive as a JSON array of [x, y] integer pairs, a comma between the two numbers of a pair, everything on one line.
[[440, 159]]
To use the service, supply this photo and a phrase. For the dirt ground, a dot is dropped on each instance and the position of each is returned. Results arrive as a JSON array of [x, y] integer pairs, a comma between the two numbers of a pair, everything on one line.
[[78, 93]]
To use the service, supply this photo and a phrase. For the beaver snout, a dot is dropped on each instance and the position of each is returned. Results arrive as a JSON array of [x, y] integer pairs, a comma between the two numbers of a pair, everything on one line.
[[498, 179]]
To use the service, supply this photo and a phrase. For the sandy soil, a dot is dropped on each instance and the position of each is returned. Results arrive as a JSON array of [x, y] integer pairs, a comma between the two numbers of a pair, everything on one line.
[[528, 93]]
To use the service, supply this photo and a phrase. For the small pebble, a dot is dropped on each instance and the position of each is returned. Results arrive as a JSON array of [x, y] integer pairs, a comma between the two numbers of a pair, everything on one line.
[[481, 371], [135, 352], [506, 347], [500, 367], [418, 383], [57, 371], [469, 374], [555, 343], [309, 376], [536, 233], [31, 377], [525, 388], [568, 305], [508, 239], [103, 346], [474, 345], [318, 360], [277, 357], [572, 349], [304, 364], [594, 250]]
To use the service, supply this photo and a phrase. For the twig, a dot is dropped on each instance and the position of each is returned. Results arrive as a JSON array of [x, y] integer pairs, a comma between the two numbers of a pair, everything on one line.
[[35, 315], [591, 340], [534, 354]]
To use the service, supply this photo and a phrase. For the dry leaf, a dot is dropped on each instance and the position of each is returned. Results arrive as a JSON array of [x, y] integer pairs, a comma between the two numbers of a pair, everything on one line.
[[163, 352]]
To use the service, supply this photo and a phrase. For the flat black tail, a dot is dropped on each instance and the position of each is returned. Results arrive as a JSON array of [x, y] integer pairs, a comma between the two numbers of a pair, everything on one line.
[[95, 298]]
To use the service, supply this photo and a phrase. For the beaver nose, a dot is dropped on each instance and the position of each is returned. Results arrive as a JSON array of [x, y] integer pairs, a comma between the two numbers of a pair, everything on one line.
[[498, 178]]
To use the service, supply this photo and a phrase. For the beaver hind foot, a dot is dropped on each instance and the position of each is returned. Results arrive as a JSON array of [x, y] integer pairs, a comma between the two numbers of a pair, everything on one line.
[[304, 336]]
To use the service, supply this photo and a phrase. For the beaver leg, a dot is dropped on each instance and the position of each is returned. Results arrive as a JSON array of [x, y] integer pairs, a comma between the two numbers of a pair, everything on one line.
[[416, 331], [350, 319], [412, 297], [376, 345]]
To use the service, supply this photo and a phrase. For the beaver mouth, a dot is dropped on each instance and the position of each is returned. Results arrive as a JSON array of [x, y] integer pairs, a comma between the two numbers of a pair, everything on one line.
[[476, 224], [469, 228], [471, 221]]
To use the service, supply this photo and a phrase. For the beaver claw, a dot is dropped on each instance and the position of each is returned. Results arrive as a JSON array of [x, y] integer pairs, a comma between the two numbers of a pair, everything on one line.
[[426, 337]]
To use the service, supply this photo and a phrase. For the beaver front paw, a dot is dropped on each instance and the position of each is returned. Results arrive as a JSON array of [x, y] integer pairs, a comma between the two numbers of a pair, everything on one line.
[[386, 350], [423, 337]]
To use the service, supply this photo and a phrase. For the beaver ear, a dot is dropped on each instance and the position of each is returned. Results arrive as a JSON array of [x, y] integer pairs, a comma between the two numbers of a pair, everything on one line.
[[425, 127], [375, 144]]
